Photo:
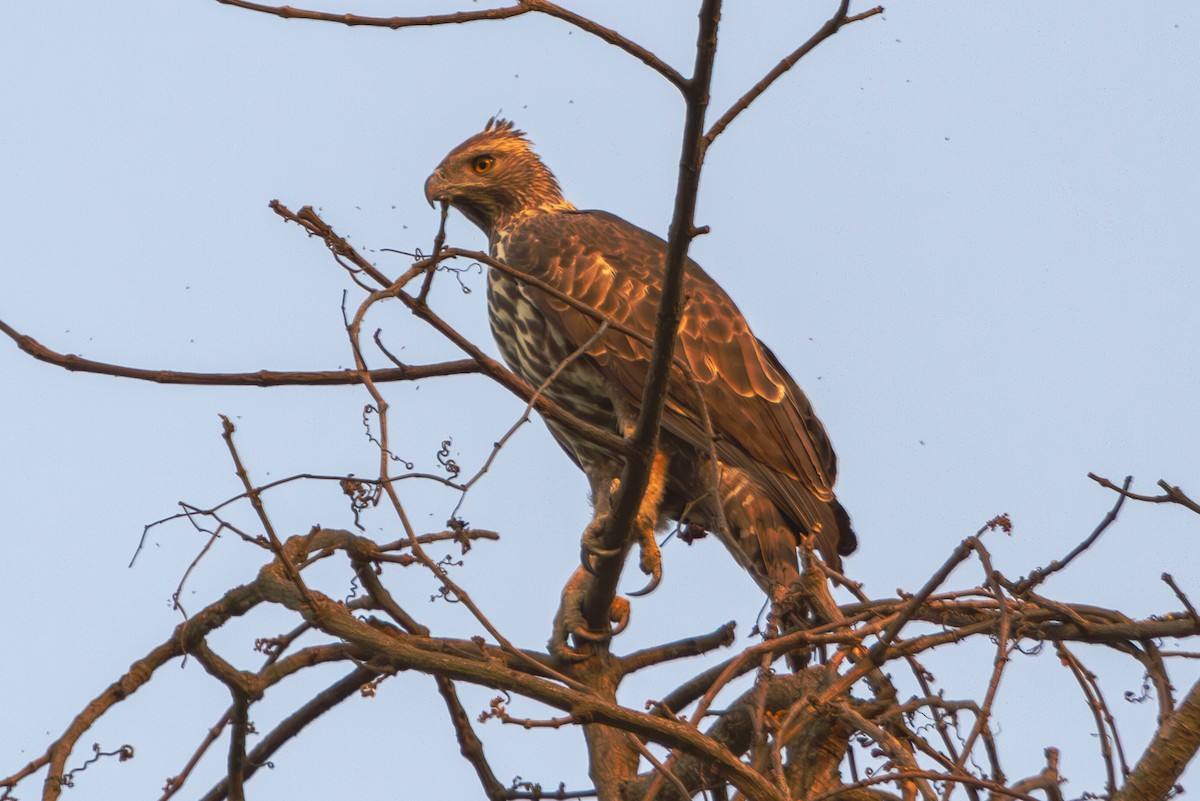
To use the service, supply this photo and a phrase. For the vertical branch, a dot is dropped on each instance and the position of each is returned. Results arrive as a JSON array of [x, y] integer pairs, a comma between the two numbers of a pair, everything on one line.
[[636, 474], [1086, 680], [237, 747], [999, 663], [613, 761], [439, 242]]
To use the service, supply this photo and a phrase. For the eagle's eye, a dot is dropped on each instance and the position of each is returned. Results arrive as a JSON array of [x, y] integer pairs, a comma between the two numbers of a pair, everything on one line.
[[482, 164]]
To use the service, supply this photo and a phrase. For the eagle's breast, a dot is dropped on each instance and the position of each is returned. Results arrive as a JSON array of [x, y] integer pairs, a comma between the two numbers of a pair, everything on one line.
[[534, 348]]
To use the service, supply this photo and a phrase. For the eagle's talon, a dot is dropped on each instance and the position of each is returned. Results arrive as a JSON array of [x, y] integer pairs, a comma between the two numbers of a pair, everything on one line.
[[655, 580], [586, 555], [603, 553], [570, 624], [584, 634], [650, 563], [568, 654], [585, 559], [589, 547]]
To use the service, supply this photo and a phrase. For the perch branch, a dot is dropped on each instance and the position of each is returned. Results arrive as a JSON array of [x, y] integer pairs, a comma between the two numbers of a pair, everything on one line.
[[644, 442]]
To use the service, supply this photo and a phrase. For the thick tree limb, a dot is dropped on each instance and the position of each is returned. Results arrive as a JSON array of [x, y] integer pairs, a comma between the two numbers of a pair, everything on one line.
[[1174, 745], [399, 652]]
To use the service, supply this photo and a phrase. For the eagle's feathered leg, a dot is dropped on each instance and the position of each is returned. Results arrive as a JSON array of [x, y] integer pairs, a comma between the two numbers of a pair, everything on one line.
[[646, 524], [766, 546], [602, 472], [603, 490]]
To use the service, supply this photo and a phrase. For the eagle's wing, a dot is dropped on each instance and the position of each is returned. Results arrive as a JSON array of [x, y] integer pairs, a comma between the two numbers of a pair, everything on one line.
[[764, 423]]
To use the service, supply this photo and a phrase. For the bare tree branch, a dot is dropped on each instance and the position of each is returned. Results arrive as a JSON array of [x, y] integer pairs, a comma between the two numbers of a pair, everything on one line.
[[1174, 745], [295, 723], [469, 744], [643, 444], [1042, 573], [259, 378], [1173, 494], [832, 26], [613, 38], [287, 12], [691, 646]]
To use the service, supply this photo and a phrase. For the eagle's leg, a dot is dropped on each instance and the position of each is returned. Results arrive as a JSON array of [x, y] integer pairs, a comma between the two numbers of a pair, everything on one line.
[[569, 622], [645, 523], [601, 472]]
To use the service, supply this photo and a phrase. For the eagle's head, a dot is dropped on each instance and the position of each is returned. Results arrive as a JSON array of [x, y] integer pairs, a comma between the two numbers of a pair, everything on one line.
[[493, 176]]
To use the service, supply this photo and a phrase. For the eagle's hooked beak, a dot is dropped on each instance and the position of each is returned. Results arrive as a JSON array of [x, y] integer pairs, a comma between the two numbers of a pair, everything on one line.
[[435, 187]]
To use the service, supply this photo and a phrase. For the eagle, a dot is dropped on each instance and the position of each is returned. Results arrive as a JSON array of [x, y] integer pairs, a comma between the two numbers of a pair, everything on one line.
[[745, 456]]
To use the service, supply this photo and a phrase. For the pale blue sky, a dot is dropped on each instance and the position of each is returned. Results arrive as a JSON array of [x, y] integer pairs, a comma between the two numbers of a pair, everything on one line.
[[969, 230]]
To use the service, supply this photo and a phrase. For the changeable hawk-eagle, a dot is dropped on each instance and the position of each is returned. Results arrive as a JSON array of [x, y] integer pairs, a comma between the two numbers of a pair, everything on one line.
[[775, 467]]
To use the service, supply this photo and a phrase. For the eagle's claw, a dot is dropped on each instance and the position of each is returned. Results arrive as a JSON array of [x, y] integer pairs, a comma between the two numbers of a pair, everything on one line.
[[655, 580], [589, 546], [571, 627], [650, 563]]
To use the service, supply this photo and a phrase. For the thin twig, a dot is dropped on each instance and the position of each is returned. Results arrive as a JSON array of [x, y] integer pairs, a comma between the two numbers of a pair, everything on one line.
[[613, 38], [1173, 494], [1087, 682], [1169, 580], [832, 26], [999, 662], [439, 242], [1039, 575], [227, 431]]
